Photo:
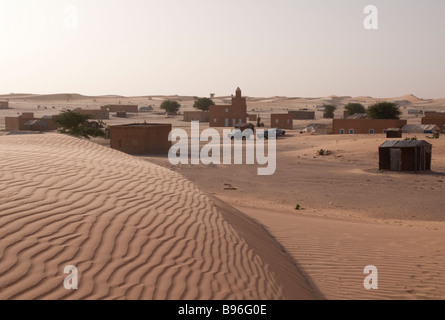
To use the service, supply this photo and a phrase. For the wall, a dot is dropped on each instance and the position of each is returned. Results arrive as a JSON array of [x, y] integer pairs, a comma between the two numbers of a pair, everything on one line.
[[362, 126], [411, 159], [12, 123], [95, 114], [141, 138], [4, 105], [118, 107], [201, 116], [282, 121], [435, 118], [302, 115]]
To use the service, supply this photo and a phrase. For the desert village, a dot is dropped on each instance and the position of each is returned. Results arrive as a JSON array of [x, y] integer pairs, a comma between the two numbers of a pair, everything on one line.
[[138, 138], [348, 192]]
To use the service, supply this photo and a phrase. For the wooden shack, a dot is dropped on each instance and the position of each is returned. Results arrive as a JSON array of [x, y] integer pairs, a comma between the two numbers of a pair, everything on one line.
[[394, 133], [405, 155]]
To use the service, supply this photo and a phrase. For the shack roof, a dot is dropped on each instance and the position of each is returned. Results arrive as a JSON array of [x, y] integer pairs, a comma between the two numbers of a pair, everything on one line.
[[405, 144], [420, 128], [359, 116], [35, 123]]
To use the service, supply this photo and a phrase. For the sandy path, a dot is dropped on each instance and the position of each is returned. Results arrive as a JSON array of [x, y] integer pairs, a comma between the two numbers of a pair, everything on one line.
[[134, 230]]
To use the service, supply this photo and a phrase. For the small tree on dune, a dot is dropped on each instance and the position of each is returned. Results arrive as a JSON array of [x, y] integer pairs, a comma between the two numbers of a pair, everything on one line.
[[70, 122], [170, 106]]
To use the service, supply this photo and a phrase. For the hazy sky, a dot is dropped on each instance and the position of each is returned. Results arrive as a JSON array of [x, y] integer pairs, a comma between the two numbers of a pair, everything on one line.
[[195, 47]]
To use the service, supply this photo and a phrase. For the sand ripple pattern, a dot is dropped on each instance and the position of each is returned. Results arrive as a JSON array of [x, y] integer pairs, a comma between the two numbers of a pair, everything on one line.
[[134, 230]]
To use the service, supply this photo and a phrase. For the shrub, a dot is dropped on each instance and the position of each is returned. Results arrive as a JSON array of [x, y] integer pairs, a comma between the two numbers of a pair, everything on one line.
[[76, 124], [170, 106], [353, 108], [203, 104], [329, 110], [384, 110]]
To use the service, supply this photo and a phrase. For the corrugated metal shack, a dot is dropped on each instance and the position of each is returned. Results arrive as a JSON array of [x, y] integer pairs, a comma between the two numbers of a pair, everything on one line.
[[407, 155]]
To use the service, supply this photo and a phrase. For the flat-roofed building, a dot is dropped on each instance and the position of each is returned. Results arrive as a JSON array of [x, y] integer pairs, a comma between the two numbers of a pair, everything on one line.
[[365, 126], [282, 121], [150, 138]]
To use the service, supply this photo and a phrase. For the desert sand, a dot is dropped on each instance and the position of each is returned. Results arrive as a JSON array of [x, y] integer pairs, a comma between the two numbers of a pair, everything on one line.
[[134, 230], [140, 231], [351, 214]]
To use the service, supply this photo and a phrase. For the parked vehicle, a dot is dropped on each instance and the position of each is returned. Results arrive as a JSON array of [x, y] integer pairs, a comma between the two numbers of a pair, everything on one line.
[[238, 134], [240, 131], [278, 132]]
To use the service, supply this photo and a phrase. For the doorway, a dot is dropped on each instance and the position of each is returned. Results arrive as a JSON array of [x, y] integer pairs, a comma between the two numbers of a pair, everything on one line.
[[396, 156]]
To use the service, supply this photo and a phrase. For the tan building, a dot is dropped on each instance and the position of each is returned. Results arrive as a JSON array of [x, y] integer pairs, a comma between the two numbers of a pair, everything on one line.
[[282, 121], [4, 105], [95, 114], [436, 118], [365, 126], [201, 116], [27, 123], [149, 138], [302, 115], [121, 108], [229, 115]]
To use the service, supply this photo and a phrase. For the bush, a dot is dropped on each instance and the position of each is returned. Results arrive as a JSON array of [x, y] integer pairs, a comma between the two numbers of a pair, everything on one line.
[[170, 106], [321, 152], [329, 110], [436, 135], [384, 110], [298, 207], [353, 108], [203, 104], [76, 124]]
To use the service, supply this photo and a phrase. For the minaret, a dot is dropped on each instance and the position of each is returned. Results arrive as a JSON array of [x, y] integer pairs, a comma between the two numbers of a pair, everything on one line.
[[238, 92]]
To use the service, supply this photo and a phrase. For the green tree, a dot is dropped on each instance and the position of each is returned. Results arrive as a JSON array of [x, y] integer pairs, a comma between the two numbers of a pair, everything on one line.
[[203, 104], [329, 110], [384, 110], [70, 122], [170, 106], [353, 108]]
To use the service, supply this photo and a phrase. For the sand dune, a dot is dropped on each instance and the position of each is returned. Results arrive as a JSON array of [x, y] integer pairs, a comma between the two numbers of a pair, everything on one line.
[[334, 252], [134, 230], [409, 97]]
